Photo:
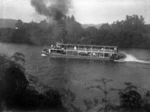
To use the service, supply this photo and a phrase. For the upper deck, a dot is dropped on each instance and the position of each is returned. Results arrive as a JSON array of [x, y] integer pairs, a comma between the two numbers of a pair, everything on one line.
[[89, 48]]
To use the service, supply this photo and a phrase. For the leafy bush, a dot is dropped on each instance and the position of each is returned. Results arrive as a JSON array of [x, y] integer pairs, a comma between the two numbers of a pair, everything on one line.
[[16, 92], [130, 98]]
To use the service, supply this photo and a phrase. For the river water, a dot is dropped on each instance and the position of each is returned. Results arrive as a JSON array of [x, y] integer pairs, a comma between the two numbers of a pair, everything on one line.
[[77, 74]]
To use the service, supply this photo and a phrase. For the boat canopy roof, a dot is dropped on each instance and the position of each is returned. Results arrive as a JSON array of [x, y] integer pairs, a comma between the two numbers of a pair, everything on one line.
[[60, 44]]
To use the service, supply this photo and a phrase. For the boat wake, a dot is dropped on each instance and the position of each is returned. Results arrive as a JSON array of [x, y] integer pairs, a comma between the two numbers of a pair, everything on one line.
[[131, 58]]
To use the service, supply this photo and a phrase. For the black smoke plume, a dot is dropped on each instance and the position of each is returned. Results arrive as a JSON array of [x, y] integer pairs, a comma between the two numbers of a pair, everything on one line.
[[56, 9]]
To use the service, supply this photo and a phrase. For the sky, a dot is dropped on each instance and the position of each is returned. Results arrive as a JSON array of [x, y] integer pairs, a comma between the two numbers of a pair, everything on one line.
[[85, 11]]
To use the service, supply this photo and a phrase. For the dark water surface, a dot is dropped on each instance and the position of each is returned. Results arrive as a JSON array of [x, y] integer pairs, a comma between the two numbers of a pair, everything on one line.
[[78, 74]]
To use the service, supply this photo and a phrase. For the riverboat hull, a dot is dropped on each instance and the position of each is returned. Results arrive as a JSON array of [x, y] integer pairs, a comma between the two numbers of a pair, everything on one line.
[[78, 57]]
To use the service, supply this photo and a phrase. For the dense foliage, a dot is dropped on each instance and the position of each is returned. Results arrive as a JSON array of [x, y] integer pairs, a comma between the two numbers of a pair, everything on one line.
[[16, 92], [130, 97], [129, 33]]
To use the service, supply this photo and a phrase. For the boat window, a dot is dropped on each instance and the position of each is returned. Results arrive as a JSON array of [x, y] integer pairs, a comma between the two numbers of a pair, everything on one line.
[[82, 48], [53, 51], [100, 54], [70, 47], [111, 48], [88, 48], [95, 48], [63, 47], [107, 55]]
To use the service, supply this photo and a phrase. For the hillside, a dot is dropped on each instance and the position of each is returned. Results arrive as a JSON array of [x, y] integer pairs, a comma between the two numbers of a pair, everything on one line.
[[91, 25], [10, 23], [7, 23]]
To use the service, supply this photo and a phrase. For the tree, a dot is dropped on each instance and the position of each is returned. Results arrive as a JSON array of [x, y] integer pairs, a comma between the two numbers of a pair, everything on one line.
[[74, 32], [104, 89], [19, 24], [73, 18], [146, 101], [20, 36], [129, 32], [18, 58], [130, 99], [91, 35]]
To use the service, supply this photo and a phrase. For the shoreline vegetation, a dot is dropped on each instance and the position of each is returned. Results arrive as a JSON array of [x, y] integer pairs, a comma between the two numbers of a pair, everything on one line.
[[129, 33], [18, 92]]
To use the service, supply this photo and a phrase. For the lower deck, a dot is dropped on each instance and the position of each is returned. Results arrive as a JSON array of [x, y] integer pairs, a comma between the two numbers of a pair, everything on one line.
[[55, 55], [82, 54]]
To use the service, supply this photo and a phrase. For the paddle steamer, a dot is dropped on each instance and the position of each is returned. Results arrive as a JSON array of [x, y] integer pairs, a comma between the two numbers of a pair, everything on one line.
[[94, 52]]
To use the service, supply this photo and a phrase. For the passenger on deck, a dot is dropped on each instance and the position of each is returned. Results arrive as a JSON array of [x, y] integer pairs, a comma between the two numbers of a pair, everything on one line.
[[75, 48], [57, 46], [49, 50], [52, 46], [45, 50]]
